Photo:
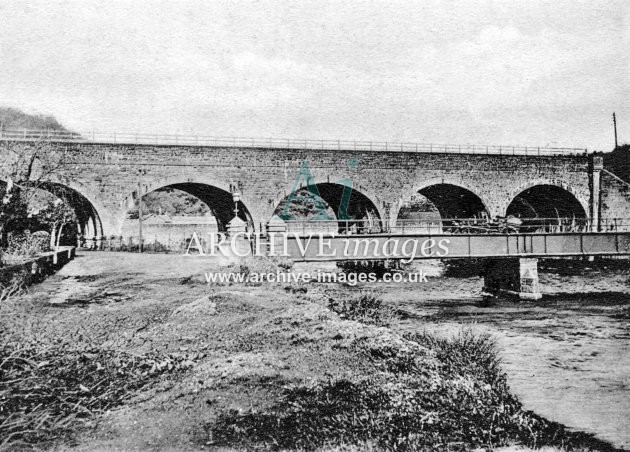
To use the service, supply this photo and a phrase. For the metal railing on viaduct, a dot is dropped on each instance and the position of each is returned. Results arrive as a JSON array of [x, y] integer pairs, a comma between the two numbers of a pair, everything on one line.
[[277, 143]]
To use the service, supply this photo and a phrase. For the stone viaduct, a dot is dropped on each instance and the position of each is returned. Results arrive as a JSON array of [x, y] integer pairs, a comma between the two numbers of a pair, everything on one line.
[[107, 178]]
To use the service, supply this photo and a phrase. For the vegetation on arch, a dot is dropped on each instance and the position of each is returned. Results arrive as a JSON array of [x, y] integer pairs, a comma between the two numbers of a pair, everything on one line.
[[26, 206], [618, 161]]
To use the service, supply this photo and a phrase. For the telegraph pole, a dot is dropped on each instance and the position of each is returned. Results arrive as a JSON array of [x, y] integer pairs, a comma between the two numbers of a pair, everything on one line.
[[615, 127], [140, 216]]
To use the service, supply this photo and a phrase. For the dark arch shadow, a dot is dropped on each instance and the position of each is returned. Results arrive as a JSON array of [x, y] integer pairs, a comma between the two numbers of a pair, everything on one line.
[[219, 201], [437, 207], [452, 201], [351, 209], [548, 206], [88, 222]]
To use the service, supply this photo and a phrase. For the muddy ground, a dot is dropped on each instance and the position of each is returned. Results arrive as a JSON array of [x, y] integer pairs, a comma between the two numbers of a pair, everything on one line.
[[567, 356]]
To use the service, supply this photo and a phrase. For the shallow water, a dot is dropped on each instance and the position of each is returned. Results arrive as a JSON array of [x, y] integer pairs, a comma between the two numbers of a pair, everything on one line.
[[567, 356]]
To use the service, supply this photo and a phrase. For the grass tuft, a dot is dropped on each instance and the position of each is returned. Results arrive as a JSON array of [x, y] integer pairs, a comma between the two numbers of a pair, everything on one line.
[[465, 405], [45, 394], [365, 307]]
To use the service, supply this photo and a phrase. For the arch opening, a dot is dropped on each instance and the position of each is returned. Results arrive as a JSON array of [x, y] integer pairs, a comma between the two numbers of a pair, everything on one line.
[[88, 221], [44, 204], [437, 208], [173, 212], [453, 201], [549, 208], [331, 207]]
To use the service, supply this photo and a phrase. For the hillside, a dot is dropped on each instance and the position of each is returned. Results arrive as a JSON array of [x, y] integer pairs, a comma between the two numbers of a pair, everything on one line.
[[12, 118], [618, 161]]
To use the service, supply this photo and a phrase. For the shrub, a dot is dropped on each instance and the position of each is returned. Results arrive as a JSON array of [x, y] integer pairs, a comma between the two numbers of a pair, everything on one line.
[[23, 246], [466, 353], [365, 307]]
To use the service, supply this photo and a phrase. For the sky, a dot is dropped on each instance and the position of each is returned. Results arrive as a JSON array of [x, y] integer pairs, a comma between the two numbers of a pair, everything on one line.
[[463, 72]]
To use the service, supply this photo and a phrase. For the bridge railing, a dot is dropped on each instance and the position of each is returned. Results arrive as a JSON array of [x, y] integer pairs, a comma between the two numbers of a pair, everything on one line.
[[457, 226], [277, 143]]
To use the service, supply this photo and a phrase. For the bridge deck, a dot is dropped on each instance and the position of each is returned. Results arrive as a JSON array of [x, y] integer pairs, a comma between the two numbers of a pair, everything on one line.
[[451, 246], [160, 139]]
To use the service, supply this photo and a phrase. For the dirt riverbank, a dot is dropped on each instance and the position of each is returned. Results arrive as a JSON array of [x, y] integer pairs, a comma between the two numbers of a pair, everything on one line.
[[566, 356]]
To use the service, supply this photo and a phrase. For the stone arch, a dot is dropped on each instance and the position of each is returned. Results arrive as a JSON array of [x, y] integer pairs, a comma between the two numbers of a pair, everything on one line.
[[161, 182], [215, 193], [91, 214], [548, 207], [90, 220], [364, 212], [363, 191], [436, 181], [579, 197]]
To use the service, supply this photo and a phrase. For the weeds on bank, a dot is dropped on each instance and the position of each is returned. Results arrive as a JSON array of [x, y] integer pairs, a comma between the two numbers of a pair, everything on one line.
[[465, 353], [51, 385], [405, 410], [44, 394], [365, 308], [462, 404]]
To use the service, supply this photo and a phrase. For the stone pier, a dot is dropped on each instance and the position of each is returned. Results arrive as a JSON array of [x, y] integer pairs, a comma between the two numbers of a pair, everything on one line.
[[242, 246], [513, 276]]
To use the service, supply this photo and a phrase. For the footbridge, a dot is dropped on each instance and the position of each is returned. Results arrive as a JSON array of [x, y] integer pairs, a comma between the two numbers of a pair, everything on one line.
[[509, 260]]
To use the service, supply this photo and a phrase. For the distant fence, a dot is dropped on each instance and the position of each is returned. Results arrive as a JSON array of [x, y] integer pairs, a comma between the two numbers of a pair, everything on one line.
[[278, 143], [176, 245]]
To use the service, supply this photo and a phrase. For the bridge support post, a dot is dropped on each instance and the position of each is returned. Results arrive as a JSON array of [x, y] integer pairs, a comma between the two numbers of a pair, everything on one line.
[[236, 226], [276, 227], [597, 166], [513, 277]]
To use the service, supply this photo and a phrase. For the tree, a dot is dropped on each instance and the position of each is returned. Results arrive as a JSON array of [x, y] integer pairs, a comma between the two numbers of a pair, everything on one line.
[[26, 167], [56, 215]]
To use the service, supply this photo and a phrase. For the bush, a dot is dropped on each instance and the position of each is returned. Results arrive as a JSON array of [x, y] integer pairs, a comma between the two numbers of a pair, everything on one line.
[[24, 246], [466, 353], [365, 308]]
